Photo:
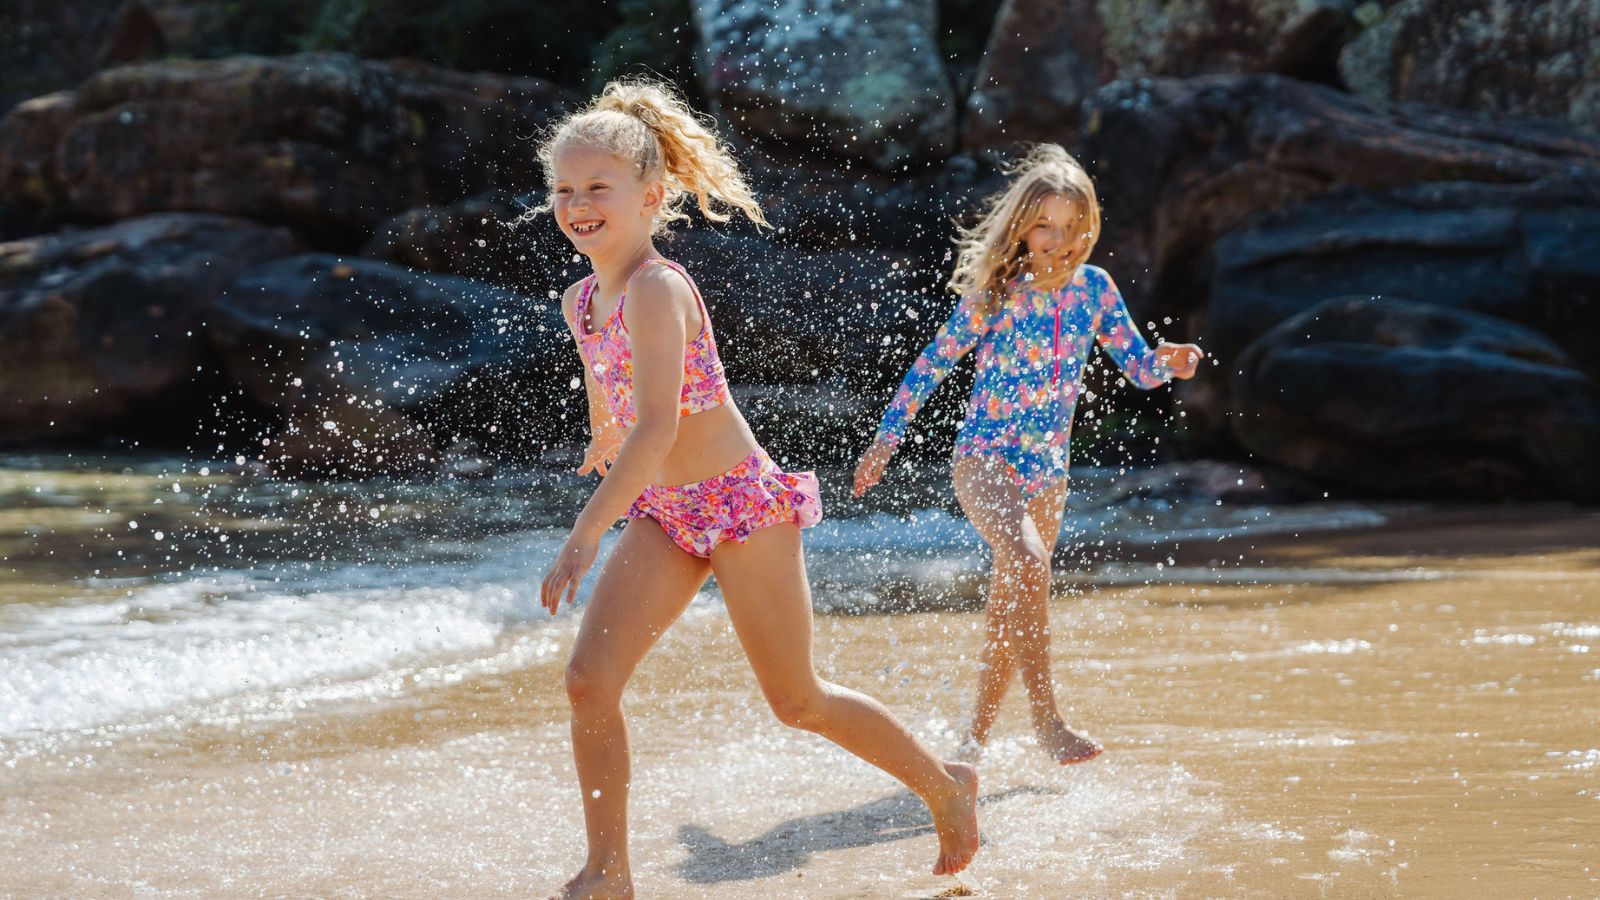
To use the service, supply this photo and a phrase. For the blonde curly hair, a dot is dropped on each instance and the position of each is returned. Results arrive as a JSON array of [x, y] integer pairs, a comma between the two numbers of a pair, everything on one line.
[[991, 253], [648, 123]]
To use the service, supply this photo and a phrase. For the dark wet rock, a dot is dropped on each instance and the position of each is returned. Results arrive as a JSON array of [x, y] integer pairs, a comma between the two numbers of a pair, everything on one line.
[[324, 142], [1534, 58], [855, 80], [1180, 163], [1399, 397], [28, 138], [1144, 38], [1527, 253], [830, 208], [491, 237], [1042, 61], [1046, 57], [786, 317], [101, 329], [371, 369]]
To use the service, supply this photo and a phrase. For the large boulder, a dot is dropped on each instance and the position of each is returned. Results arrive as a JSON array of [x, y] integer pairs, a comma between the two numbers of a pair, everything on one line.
[[1180, 39], [1412, 399], [1179, 163], [101, 330], [860, 80], [324, 142], [1043, 59], [1046, 57], [1526, 253], [493, 237], [371, 369], [1531, 58]]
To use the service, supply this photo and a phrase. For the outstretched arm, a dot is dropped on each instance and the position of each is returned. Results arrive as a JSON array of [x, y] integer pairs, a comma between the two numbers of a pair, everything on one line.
[[955, 338], [1145, 366]]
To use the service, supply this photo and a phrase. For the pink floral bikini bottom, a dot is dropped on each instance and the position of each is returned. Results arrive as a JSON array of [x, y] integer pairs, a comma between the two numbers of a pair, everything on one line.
[[732, 506]]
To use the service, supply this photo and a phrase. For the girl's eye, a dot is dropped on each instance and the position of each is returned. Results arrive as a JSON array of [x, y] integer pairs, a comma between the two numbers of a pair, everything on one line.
[[563, 190]]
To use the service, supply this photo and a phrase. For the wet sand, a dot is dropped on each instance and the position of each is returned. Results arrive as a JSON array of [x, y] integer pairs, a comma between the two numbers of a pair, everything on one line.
[[1427, 729]]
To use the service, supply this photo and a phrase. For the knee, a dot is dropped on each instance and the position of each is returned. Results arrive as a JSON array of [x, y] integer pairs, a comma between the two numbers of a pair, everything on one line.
[[802, 709], [1029, 557], [589, 686]]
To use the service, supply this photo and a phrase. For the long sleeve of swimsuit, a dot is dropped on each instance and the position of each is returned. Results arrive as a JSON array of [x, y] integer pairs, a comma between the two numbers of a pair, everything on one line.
[[1121, 338], [955, 338]]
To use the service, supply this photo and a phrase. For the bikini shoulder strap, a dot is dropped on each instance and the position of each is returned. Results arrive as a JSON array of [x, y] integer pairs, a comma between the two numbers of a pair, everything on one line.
[[580, 309]]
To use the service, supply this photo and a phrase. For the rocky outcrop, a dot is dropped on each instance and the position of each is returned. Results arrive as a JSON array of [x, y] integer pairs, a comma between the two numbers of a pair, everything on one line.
[[1526, 253], [370, 369], [858, 80], [1179, 163], [1534, 58], [102, 330], [1302, 38], [323, 142], [1046, 57], [1042, 61], [493, 237], [1413, 399]]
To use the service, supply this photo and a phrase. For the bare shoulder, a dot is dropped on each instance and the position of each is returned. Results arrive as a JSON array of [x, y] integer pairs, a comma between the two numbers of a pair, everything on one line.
[[658, 294]]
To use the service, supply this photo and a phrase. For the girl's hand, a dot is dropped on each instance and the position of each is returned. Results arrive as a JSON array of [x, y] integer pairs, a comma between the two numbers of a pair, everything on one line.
[[869, 471], [602, 449], [1180, 359], [571, 563]]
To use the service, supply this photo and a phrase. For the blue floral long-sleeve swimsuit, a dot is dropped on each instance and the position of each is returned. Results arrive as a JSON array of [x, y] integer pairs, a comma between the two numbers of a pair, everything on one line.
[[1031, 357]]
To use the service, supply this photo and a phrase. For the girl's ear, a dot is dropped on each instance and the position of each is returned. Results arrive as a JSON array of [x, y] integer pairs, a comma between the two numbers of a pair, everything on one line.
[[653, 195]]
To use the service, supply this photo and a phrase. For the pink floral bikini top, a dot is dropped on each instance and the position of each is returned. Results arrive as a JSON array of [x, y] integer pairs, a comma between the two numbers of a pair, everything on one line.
[[608, 356]]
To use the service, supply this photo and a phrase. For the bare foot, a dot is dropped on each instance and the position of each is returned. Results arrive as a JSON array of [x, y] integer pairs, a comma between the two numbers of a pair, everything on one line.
[[955, 818], [597, 884], [1066, 746]]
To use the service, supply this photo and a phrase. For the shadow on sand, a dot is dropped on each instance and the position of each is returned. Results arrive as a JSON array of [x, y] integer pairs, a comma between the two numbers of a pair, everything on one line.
[[789, 845]]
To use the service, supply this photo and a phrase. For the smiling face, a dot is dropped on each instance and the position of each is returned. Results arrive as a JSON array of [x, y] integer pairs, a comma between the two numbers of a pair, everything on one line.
[[601, 204], [1056, 238]]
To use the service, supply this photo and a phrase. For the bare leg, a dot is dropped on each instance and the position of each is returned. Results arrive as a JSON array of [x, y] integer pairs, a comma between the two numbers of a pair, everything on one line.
[[1021, 533], [769, 602], [643, 588]]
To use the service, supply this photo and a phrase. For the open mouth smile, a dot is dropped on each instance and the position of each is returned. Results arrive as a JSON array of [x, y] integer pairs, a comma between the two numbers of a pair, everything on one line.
[[587, 227]]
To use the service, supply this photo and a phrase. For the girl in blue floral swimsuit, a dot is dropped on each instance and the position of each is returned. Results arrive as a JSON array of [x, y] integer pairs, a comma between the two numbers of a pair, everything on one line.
[[1033, 308]]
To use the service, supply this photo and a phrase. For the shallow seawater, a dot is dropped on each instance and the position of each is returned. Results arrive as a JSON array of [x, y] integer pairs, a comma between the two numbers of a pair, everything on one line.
[[213, 684]]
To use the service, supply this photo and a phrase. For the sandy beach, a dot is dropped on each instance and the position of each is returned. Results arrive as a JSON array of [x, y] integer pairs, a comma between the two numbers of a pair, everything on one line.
[[1405, 710]]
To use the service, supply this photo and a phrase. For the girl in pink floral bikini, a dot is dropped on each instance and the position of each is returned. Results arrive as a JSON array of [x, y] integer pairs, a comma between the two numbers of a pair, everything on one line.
[[678, 460], [1033, 308]]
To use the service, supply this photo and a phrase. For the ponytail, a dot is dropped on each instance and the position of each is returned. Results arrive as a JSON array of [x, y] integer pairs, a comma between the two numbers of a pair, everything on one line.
[[649, 124]]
